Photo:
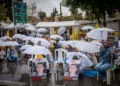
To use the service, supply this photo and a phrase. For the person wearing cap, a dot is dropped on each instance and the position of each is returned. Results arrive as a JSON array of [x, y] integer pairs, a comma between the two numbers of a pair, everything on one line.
[[105, 55]]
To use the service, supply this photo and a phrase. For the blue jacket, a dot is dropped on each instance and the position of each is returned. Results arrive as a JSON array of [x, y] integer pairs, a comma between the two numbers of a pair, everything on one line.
[[105, 55]]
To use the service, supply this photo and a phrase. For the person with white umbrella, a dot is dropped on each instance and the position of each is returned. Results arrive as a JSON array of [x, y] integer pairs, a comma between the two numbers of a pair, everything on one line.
[[107, 55], [12, 54]]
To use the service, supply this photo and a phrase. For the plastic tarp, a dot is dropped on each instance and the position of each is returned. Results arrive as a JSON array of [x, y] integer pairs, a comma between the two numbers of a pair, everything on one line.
[[57, 24]]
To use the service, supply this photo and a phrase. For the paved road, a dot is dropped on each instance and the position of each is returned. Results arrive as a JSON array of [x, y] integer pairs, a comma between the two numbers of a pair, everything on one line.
[[12, 71]]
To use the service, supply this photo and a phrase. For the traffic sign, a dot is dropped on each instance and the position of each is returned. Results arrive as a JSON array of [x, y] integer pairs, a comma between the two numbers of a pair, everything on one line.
[[20, 12]]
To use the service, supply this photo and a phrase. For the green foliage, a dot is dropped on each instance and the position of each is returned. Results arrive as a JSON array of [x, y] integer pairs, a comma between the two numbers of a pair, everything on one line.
[[53, 14], [95, 8], [32, 9], [42, 15], [2, 13]]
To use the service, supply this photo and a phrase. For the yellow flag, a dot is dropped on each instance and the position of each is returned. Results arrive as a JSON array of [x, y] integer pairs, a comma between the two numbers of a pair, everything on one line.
[[73, 34], [7, 34], [97, 25]]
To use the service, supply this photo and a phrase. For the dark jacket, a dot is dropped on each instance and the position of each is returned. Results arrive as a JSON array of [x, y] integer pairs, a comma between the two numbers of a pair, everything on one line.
[[105, 55]]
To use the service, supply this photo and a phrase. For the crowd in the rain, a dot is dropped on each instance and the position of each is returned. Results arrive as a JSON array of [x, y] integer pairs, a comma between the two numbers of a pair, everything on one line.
[[99, 55]]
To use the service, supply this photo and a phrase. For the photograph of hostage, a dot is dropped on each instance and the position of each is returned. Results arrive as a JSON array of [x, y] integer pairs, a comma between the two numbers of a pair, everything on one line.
[[72, 70], [40, 69]]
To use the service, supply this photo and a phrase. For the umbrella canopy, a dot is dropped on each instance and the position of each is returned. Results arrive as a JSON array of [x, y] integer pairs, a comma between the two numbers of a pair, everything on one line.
[[44, 42], [30, 28], [20, 36], [3, 24], [82, 57], [42, 30], [11, 26], [1, 43], [97, 43], [61, 30], [72, 43], [99, 34], [27, 38], [10, 43], [25, 47], [37, 50], [26, 25], [5, 38], [88, 27], [87, 47], [56, 36]]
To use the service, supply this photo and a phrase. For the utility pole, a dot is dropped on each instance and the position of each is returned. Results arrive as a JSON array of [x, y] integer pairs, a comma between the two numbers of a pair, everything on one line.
[[60, 10]]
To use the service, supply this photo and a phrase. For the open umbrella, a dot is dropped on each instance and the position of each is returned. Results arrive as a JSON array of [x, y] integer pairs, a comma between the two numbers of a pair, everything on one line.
[[99, 34], [42, 30], [37, 50], [56, 36], [10, 43], [20, 36], [30, 28], [82, 57], [61, 30], [88, 28], [44, 42], [71, 43], [87, 47], [25, 47], [97, 43], [5, 38], [27, 38]]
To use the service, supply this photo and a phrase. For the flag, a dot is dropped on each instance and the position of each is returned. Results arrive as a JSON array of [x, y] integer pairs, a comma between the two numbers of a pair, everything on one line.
[[73, 34], [97, 25], [7, 34]]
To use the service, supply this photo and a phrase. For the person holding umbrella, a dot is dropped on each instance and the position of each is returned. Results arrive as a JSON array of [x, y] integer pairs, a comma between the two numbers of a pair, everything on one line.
[[105, 56]]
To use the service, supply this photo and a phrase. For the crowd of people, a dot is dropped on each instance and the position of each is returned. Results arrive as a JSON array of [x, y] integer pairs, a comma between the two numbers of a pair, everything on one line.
[[108, 56]]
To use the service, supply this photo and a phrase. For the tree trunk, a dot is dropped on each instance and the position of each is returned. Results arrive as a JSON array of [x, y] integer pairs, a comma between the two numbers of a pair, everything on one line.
[[104, 19]]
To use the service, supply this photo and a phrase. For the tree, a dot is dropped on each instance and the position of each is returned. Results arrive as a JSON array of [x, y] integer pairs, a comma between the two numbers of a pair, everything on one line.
[[42, 15], [2, 13], [53, 14], [32, 11], [8, 5], [97, 7]]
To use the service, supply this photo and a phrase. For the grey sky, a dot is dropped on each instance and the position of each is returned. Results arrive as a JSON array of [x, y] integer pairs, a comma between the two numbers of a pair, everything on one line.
[[48, 5]]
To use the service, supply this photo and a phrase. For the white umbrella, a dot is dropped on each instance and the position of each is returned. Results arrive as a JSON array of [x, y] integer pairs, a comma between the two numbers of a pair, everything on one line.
[[3, 24], [82, 57], [37, 50], [61, 30], [88, 27], [72, 43], [10, 43], [99, 34], [20, 36], [5, 38], [41, 30], [44, 42], [87, 47], [27, 25], [1, 43], [56, 36], [25, 47], [30, 28], [27, 38], [97, 43]]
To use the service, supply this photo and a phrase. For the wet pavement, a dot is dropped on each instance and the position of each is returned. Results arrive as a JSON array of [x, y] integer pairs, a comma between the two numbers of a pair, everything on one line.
[[18, 72]]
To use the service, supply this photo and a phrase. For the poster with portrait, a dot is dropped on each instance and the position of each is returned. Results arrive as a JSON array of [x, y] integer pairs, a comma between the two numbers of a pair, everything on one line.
[[39, 70], [72, 70]]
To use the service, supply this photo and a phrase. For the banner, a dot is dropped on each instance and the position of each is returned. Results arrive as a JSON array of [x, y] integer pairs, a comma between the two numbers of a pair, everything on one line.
[[72, 70]]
